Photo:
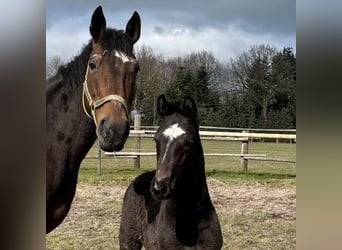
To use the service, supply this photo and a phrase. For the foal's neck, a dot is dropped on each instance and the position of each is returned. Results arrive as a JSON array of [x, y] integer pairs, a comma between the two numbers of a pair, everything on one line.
[[192, 184], [192, 199]]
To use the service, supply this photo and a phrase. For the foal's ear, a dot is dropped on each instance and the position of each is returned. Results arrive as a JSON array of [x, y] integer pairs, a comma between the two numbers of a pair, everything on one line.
[[133, 27], [189, 107], [162, 106], [97, 24]]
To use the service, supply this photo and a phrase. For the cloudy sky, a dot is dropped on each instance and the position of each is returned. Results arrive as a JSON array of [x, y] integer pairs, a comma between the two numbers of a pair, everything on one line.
[[175, 28]]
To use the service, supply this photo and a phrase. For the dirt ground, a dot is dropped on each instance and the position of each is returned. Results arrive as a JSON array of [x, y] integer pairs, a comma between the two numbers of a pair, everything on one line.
[[226, 198], [94, 218], [280, 202]]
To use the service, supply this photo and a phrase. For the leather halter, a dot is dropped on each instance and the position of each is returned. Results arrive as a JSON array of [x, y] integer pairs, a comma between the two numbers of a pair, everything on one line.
[[95, 104]]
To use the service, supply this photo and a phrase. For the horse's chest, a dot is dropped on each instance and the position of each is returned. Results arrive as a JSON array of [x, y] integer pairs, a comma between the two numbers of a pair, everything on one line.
[[166, 233]]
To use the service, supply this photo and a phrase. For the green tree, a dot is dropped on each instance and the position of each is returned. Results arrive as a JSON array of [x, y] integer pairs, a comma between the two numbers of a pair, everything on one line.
[[284, 73], [207, 98], [195, 83], [181, 85], [263, 76], [151, 82], [200, 86], [256, 89]]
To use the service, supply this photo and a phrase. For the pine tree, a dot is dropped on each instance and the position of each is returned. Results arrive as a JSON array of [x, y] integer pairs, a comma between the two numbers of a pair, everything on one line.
[[284, 74], [200, 86], [176, 90]]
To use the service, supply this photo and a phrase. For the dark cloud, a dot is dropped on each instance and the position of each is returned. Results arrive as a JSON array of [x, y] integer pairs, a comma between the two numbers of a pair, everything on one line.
[[225, 27], [159, 30], [276, 16]]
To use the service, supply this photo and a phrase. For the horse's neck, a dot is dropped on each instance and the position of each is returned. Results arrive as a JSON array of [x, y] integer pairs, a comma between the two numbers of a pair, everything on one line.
[[66, 120]]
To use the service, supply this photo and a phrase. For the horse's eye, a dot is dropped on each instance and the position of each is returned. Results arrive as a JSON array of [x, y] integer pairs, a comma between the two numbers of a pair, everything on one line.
[[92, 65]]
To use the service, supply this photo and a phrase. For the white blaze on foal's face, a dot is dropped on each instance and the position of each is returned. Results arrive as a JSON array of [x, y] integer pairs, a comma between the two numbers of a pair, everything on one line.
[[171, 133]]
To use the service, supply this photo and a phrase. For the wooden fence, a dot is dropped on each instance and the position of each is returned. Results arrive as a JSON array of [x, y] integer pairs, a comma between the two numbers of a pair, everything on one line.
[[244, 137]]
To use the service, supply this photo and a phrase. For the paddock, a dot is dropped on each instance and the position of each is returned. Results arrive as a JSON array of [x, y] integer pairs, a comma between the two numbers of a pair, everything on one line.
[[257, 210], [252, 216]]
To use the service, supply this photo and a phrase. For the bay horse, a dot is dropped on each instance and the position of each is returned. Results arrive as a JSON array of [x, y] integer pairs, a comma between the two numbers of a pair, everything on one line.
[[170, 207], [88, 98]]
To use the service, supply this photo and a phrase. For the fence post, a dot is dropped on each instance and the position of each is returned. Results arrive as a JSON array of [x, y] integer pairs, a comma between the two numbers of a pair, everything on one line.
[[137, 124], [244, 150], [99, 162]]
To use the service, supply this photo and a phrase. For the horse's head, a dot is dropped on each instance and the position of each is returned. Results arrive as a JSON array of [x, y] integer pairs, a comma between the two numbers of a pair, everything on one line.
[[109, 85], [175, 137]]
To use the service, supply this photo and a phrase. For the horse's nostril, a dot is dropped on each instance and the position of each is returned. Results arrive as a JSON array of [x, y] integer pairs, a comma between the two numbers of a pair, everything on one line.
[[103, 123], [120, 129]]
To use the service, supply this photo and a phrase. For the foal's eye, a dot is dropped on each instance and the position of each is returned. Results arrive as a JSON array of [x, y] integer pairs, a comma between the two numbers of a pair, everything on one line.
[[183, 156]]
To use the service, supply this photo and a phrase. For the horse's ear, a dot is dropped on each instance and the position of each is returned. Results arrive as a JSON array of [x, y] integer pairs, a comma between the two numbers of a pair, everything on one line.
[[189, 107], [97, 24], [133, 27], [162, 106]]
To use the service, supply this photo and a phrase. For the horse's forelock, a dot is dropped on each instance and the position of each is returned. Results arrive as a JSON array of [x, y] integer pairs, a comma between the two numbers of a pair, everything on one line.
[[117, 40]]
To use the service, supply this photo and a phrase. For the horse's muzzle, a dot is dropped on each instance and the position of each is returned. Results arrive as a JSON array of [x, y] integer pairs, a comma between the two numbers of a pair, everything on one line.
[[112, 135]]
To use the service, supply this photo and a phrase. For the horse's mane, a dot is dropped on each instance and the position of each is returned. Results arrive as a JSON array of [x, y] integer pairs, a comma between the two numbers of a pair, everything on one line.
[[117, 39], [70, 74], [175, 105]]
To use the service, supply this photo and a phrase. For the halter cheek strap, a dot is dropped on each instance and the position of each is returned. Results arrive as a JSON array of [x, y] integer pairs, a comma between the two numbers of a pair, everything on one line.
[[95, 104]]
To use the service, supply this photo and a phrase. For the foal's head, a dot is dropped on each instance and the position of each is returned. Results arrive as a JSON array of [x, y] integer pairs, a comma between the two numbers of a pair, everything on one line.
[[109, 85], [175, 140]]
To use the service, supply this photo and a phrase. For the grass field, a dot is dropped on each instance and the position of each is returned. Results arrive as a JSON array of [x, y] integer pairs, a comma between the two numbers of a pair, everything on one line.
[[226, 169], [257, 210]]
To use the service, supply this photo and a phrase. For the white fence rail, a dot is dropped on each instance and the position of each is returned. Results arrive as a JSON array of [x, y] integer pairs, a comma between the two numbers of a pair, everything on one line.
[[243, 137]]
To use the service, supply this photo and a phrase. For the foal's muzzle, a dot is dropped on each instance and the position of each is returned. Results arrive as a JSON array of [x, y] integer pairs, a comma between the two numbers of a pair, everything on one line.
[[162, 189]]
